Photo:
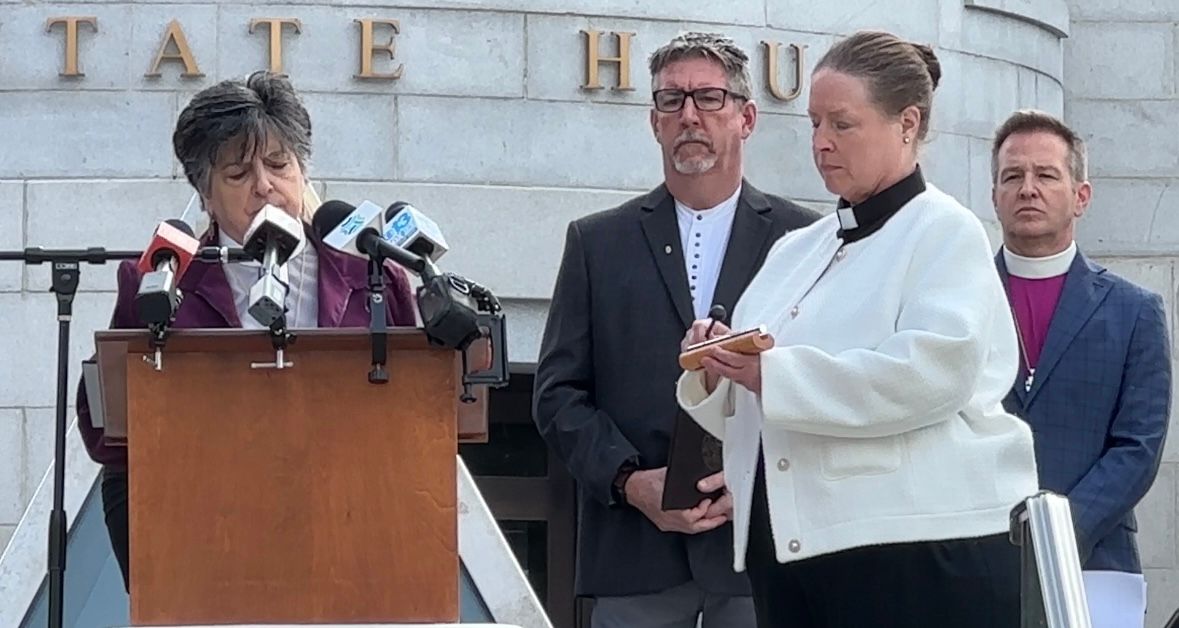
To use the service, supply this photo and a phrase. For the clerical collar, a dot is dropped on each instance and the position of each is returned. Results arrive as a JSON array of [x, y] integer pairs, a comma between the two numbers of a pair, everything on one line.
[[1040, 267], [860, 221]]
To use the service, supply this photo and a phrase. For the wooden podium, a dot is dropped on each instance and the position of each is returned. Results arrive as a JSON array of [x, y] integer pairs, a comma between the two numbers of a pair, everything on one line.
[[297, 495]]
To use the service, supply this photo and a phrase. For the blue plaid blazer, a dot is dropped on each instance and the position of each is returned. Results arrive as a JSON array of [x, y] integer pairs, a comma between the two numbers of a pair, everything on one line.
[[1099, 407]]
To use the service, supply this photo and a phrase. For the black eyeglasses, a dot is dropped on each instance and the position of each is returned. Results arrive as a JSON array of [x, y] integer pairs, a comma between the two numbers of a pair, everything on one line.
[[705, 98]]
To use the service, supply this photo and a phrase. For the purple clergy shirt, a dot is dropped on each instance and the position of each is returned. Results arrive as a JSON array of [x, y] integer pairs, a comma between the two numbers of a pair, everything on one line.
[[1034, 301]]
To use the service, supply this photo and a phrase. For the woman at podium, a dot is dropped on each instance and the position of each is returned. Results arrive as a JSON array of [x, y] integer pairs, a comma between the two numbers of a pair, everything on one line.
[[244, 146], [872, 465]]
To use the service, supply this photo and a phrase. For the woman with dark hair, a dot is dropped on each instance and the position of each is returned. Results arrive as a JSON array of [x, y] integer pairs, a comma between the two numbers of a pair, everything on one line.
[[243, 145], [872, 465]]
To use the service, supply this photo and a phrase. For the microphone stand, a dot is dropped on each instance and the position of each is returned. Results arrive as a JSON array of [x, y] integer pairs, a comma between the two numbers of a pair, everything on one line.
[[378, 326], [491, 324], [66, 266]]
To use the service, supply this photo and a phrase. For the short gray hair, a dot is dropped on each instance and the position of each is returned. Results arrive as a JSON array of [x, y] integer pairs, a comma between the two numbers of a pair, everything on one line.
[[1033, 121], [253, 109], [712, 46]]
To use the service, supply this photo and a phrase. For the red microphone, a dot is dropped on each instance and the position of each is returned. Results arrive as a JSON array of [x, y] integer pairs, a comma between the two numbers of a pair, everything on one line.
[[172, 242], [166, 259]]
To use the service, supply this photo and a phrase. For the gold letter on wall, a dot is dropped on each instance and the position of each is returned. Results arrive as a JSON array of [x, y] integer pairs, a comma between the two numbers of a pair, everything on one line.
[[367, 48], [175, 35], [71, 49], [593, 59], [772, 48], [276, 24]]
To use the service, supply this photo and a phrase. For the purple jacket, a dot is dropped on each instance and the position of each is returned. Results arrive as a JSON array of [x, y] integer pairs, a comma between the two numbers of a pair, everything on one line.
[[208, 303]]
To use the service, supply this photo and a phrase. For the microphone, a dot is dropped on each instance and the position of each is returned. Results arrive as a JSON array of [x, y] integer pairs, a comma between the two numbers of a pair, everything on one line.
[[165, 260], [413, 231], [271, 239], [445, 304], [717, 314], [356, 231], [339, 224]]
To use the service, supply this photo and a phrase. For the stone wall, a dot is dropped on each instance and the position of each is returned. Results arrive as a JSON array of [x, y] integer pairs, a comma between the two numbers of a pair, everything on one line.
[[1121, 85], [489, 131]]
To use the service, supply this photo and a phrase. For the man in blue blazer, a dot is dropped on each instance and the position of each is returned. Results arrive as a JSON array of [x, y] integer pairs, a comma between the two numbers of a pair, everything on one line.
[[1095, 372]]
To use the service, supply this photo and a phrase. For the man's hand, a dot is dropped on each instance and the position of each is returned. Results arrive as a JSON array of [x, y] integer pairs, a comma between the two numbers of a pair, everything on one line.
[[644, 491], [723, 506]]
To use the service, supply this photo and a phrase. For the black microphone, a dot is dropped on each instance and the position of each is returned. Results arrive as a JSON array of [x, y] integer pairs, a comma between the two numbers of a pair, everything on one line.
[[717, 314], [413, 231], [449, 314], [331, 224]]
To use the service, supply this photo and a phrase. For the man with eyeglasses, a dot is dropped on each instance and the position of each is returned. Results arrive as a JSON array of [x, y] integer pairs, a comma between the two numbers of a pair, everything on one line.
[[632, 280]]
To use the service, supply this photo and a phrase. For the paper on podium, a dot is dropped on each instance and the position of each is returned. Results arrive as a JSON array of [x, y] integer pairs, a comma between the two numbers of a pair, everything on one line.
[[92, 381]]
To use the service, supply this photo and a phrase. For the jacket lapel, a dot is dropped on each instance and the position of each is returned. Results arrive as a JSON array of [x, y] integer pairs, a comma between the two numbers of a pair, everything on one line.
[[339, 275], [206, 281], [1084, 289], [663, 236], [751, 229]]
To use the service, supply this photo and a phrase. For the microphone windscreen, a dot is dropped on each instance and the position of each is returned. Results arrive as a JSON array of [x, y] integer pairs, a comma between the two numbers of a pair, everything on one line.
[[392, 210], [329, 216], [169, 241], [273, 229], [182, 226]]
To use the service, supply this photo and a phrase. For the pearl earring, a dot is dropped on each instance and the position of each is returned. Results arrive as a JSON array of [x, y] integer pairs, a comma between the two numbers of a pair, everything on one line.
[[906, 139]]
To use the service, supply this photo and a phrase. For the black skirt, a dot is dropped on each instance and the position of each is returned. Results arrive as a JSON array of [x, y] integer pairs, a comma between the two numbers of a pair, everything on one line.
[[962, 583]]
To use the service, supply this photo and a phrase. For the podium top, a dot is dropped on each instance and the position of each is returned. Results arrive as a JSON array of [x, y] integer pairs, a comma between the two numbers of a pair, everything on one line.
[[237, 339], [114, 345]]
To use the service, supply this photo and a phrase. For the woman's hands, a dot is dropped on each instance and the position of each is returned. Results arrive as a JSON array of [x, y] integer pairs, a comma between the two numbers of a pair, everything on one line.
[[718, 362]]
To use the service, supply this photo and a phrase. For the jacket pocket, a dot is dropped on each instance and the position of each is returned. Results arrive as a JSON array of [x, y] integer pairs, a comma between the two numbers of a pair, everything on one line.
[[850, 457]]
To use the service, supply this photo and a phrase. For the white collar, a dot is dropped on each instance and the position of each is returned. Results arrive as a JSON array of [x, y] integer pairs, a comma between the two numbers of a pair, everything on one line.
[[724, 208], [1040, 267]]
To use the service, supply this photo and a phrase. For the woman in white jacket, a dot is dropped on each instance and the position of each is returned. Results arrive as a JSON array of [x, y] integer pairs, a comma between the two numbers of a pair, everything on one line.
[[871, 463]]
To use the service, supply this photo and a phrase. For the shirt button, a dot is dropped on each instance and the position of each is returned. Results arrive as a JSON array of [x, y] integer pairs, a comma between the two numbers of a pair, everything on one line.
[[794, 546], [783, 464], [794, 312], [840, 254]]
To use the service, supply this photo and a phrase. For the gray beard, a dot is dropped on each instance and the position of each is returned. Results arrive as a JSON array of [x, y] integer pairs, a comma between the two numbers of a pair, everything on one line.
[[694, 165]]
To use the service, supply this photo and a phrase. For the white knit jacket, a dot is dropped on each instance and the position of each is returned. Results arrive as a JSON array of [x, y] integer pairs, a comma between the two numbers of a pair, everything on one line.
[[880, 412]]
